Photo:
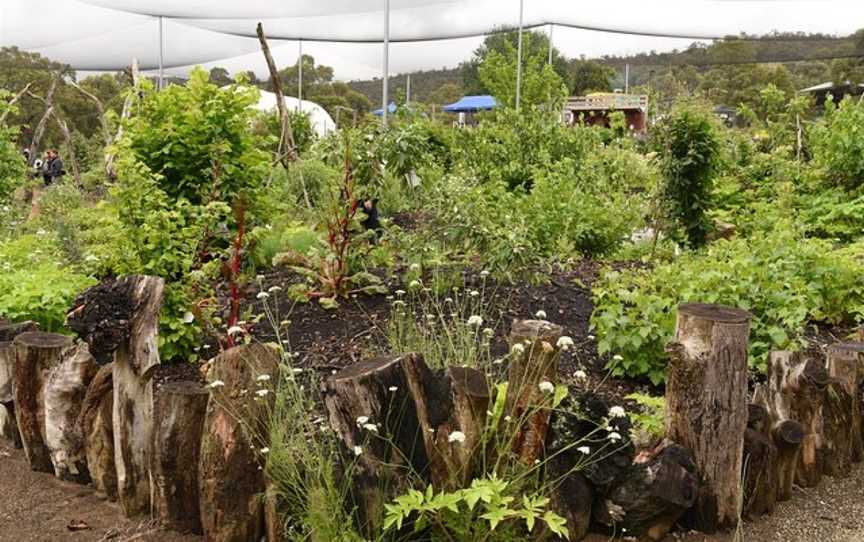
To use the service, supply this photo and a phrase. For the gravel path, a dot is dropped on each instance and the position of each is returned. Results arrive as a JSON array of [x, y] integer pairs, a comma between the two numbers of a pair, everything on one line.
[[38, 507]]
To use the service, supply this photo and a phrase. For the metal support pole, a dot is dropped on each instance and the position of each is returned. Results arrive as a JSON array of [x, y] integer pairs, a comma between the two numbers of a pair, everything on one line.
[[384, 97], [519, 57], [300, 77], [551, 28], [408, 89], [161, 55], [627, 78]]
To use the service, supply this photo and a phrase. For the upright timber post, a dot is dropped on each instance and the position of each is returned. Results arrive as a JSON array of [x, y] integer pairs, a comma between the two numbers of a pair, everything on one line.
[[706, 405]]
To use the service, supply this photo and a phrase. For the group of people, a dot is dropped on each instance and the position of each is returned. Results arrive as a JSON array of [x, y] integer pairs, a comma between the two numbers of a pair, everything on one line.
[[50, 166]]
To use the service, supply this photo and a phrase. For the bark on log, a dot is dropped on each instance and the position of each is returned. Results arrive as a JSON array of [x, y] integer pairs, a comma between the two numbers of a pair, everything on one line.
[[376, 392], [178, 413], [8, 424], [837, 429], [572, 497], [134, 363], [654, 494], [272, 519], [36, 355], [8, 331], [808, 397], [230, 479], [537, 363], [447, 402], [95, 422], [706, 405], [64, 395], [846, 364], [760, 464]]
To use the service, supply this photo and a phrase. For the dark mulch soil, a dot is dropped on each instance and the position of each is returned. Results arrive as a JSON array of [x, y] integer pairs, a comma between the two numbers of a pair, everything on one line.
[[176, 372], [330, 339]]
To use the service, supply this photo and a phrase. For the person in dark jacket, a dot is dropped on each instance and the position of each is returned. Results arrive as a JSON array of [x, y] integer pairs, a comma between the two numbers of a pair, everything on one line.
[[369, 207], [52, 167]]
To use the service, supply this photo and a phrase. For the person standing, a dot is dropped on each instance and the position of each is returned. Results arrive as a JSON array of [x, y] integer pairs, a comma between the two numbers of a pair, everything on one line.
[[52, 167]]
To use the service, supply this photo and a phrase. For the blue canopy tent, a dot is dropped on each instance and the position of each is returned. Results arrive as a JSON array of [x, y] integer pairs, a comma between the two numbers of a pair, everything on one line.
[[472, 104], [390, 110]]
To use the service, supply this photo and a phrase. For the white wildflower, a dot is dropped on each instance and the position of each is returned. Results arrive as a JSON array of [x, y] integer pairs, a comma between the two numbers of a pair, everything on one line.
[[217, 384], [400, 292], [475, 321], [541, 315], [188, 317], [617, 412], [484, 273], [263, 378], [583, 450], [580, 375], [497, 361], [358, 450], [262, 393], [362, 420], [414, 267], [517, 349], [262, 295], [488, 331], [234, 330], [448, 300], [414, 284], [565, 342], [265, 450], [274, 289], [614, 436], [508, 419], [370, 427], [296, 370], [590, 337], [393, 388], [473, 293], [617, 357], [546, 386], [456, 436]]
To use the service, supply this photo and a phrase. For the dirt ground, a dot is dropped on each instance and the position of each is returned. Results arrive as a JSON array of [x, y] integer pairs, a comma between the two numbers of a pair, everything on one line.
[[36, 507]]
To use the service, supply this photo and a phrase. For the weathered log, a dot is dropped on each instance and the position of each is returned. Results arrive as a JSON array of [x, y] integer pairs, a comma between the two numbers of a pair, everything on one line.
[[538, 362], [449, 402], [8, 424], [178, 413], [230, 476], [572, 496], [653, 495], [706, 405], [846, 363], [273, 527], [64, 395], [760, 464], [808, 397], [376, 392], [102, 317], [838, 425], [95, 422], [134, 362], [36, 355], [9, 331]]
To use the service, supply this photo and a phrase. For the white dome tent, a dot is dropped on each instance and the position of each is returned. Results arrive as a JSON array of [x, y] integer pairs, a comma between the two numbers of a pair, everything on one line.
[[322, 122]]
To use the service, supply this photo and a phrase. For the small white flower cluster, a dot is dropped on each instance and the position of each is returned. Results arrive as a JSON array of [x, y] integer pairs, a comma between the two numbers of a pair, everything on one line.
[[617, 412], [475, 320], [364, 423], [217, 384], [546, 387], [540, 315], [580, 375], [565, 343], [235, 330], [456, 436]]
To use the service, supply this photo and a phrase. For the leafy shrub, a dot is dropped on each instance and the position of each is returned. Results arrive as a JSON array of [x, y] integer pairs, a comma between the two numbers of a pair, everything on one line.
[[784, 280], [651, 421], [12, 165], [838, 143], [34, 285], [689, 145]]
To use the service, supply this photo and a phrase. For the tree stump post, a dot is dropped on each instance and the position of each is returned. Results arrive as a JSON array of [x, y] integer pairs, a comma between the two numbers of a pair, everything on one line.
[[95, 422], [134, 362], [230, 475], [36, 355], [846, 364], [706, 405], [808, 384], [760, 464], [837, 430], [537, 362], [448, 402], [8, 424], [376, 392], [179, 409], [64, 395]]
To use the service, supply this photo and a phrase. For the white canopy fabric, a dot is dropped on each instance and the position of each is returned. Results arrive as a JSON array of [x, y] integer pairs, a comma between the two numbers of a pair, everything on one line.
[[106, 34], [322, 122]]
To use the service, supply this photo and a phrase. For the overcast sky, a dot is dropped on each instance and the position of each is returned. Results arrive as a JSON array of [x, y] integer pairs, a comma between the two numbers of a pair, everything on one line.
[[102, 34]]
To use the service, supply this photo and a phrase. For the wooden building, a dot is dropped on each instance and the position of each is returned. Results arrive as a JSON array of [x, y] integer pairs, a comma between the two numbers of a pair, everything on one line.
[[595, 110]]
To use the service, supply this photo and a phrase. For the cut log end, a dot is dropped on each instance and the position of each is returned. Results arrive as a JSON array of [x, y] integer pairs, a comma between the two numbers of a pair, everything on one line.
[[716, 313], [40, 339]]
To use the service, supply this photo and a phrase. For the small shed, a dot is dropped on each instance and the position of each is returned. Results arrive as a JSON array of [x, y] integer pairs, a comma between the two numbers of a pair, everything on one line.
[[595, 110]]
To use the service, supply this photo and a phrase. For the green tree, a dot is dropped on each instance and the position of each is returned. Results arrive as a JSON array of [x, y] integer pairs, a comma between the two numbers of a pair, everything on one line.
[[541, 84], [220, 77], [445, 94], [589, 76], [503, 41], [12, 167]]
